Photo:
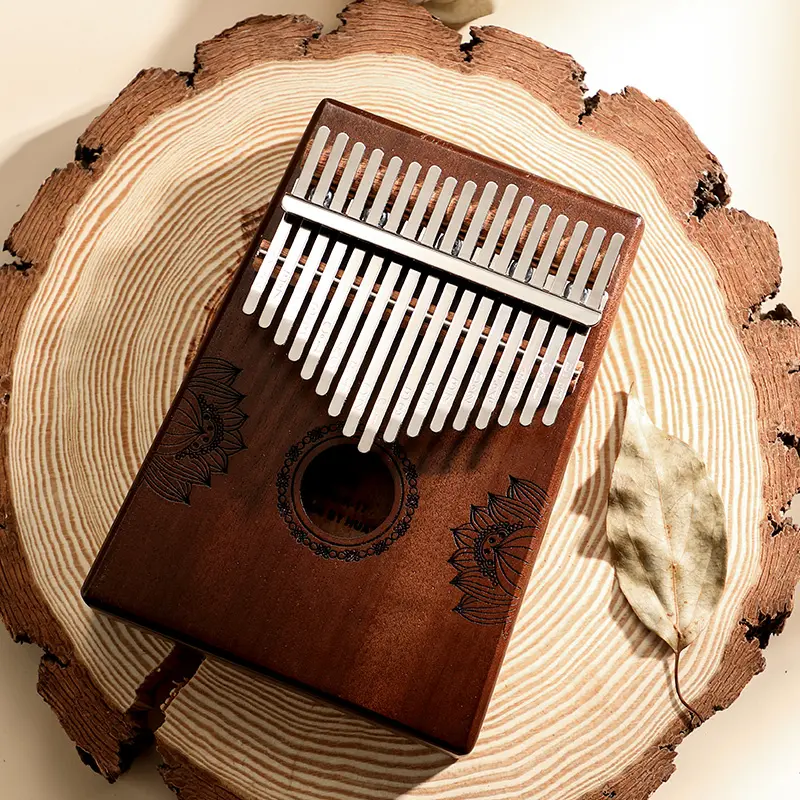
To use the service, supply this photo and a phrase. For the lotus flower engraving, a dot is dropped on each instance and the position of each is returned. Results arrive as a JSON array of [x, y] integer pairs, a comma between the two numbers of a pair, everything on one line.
[[202, 433], [493, 550]]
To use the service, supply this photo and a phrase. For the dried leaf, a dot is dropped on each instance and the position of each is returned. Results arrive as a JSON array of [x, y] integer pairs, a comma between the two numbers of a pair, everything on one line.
[[456, 13], [666, 526]]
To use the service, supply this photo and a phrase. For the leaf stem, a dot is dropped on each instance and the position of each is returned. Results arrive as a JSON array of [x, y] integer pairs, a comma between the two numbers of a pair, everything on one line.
[[692, 711]]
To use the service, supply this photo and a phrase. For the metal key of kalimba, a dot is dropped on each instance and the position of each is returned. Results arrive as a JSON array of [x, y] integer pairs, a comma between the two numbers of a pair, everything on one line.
[[474, 298], [408, 299]]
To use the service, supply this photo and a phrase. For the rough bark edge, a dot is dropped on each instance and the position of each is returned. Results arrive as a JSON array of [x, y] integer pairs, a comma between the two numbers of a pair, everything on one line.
[[549, 75], [745, 254], [389, 26], [689, 177], [187, 779], [107, 737], [394, 26]]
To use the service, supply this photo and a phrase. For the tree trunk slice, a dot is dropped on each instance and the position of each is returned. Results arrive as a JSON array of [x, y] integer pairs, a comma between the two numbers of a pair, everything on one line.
[[124, 254]]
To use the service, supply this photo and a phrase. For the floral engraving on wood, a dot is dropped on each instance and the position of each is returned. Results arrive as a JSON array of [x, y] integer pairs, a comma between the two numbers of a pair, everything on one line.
[[493, 549], [202, 434]]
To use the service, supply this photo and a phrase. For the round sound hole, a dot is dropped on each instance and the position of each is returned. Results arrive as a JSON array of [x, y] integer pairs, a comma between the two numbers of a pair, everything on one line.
[[347, 494], [344, 505]]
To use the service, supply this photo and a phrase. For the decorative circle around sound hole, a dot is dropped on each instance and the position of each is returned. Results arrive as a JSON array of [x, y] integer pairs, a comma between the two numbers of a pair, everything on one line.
[[343, 504]]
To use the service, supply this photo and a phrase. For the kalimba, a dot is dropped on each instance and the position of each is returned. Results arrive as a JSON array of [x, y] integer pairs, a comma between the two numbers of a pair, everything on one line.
[[351, 486]]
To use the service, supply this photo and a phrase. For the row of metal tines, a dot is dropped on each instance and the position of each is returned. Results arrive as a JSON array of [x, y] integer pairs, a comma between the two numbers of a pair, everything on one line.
[[409, 339]]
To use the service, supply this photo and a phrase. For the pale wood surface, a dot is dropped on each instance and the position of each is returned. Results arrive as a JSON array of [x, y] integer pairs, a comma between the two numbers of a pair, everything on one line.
[[558, 148]]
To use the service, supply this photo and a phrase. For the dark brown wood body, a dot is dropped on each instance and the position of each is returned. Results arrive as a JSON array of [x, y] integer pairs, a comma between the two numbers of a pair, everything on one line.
[[224, 574]]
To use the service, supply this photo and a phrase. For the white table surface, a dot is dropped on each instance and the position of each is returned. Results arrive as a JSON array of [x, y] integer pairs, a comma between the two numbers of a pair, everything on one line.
[[729, 66]]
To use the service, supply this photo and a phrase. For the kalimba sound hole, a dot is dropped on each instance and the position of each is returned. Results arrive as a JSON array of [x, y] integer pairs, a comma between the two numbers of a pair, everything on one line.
[[348, 495]]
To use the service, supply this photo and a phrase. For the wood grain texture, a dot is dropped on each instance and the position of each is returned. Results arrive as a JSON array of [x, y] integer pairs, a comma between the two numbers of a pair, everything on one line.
[[125, 253]]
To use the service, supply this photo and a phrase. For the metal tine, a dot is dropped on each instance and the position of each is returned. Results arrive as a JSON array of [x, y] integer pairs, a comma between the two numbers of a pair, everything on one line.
[[403, 196], [457, 219], [378, 307], [453, 383], [587, 263], [318, 299], [459, 368], [498, 263], [439, 210], [540, 330], [362, 294], [404, 349], [357, 352], [597, 291], [309, 269], [284, 227], [542, 376], [411, 227], [379, 356], [483, 366], [486, 253], [501, 262], [301, 237], [440, 363], [531, 243], [437, 321], [331, 167], [550, 249], [500, 376], [558, 281], [545, 371], [398, 363], [350, 272], [478, 221], [436, 324], [523, 372], [575, 349], [430, 338], [564, 378], [576, 346]]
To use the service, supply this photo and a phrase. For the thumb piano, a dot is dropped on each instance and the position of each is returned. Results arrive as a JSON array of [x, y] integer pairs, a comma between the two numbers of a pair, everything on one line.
[[351, 486]]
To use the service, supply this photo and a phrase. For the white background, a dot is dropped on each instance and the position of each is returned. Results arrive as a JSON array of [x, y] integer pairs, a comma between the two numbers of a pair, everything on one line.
[[730, 67]]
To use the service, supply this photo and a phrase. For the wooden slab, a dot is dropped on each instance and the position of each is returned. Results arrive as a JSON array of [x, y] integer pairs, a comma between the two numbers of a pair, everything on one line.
[[125, 252]]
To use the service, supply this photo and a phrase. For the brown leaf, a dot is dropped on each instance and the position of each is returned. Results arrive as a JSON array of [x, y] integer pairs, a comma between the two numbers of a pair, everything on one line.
[[666, 526]]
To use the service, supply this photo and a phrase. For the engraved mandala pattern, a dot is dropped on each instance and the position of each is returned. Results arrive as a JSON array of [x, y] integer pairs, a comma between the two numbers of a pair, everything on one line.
[[308, 536], [202, 434], [493, 550]]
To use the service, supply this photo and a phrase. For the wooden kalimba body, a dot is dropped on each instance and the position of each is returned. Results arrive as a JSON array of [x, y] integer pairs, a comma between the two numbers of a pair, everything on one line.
[[351, 486]]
